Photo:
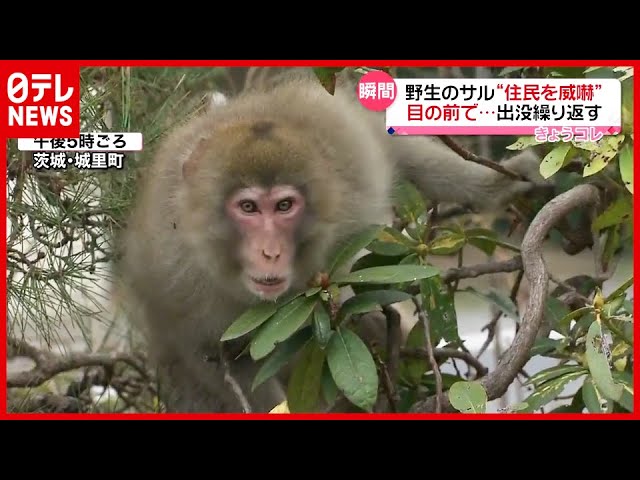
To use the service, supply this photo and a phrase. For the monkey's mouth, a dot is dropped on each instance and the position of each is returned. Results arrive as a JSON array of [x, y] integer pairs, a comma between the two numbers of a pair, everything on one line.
[[268, 280]]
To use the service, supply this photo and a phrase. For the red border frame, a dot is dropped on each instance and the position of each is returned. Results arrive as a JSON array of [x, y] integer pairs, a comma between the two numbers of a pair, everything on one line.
[[283, 63]]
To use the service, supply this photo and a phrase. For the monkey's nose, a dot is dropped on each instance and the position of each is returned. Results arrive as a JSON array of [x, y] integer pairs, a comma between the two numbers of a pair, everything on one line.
[[270, 254]]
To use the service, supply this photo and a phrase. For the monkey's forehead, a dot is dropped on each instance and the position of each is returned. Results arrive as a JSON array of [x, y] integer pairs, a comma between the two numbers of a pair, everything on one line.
[[261, 150]]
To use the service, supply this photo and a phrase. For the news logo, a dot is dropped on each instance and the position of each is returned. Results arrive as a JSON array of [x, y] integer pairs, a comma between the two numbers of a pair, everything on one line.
[[40, 99]]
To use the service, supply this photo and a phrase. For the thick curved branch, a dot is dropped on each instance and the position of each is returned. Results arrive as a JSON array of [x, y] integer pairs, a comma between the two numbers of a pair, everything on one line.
[[48, 365], [514, 358]]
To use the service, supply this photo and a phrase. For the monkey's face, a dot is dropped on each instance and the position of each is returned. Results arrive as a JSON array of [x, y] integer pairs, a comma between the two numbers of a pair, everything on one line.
[[267, 220]]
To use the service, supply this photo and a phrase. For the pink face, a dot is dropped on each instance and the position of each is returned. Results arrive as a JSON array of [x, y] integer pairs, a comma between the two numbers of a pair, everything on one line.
[[267, 220]]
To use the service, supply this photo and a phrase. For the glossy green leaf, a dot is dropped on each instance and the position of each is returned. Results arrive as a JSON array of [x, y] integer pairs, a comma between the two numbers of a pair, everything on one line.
[[439, 305], [389, 274], [321, 325], [351, 247], [303, 390], [608, 149], [329, 387], [599, 364], [327, 77], [282, 355], [619, 211], [249, 321], [626, 166], [353, 369], [412, 369], [482, 238], [371, 300], [551, 389], [593, 399], [447, 244], [555, 311], [408, 202], [523, 143], [391, 242], [281, 326], [553, 372], [626, 380], [554, 160], [468, 397]]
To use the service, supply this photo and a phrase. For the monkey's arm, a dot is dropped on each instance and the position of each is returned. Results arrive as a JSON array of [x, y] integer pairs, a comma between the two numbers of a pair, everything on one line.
[[444, 176]]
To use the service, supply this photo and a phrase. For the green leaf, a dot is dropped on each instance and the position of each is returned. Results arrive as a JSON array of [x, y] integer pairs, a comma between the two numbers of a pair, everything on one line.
[[282, 354], [369, 301], [321, 325], [626, 166], [389, 274], [412, 369], [408, 203], [468, 397], [608, 149], [447, 244], [565, 323], [439, 306], [553, 372], [249, 321], [353, 369], [626, 380], [482, 238], [554, 160], [523, 143], [312, 291], [327, 77], [599, 364], [619, 211], [621, 290], [390, 242], [545, 346], [555, 311], [500, 300], [551, 389], [350, 248], [329, 387], [281, 326], [593, 398], [303, 390]]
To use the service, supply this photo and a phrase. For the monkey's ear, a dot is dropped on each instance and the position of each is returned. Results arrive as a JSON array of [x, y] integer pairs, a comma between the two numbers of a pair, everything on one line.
[[191, 159]]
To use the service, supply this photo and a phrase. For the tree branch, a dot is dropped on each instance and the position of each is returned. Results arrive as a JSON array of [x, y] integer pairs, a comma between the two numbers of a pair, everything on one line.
[[473, 271], [472, 157], [514, 358], [442, 354], [48, 365]]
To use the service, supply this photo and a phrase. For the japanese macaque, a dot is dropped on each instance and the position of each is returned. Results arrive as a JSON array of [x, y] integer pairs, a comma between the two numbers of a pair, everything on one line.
[[243, 203]]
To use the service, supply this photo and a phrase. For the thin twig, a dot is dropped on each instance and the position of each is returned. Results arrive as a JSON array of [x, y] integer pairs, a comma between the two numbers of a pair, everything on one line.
[[492, 325], [235, 386], [387, 384], [394, 339], [473, 271], [432, 359], [442, 354], [472, 157]]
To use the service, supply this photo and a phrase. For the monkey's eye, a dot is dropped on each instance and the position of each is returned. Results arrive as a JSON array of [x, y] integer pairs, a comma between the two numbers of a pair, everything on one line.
[[248, 206], [284, 205]]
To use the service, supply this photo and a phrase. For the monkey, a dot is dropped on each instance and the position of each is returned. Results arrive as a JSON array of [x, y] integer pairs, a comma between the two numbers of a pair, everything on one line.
[[243, 203]]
